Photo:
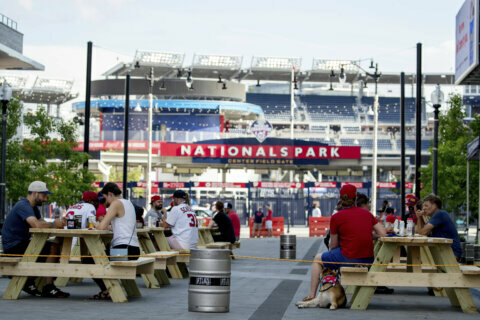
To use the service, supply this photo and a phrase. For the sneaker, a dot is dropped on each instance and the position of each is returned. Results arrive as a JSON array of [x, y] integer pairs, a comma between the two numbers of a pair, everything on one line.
[[50, 291], [32, 290]]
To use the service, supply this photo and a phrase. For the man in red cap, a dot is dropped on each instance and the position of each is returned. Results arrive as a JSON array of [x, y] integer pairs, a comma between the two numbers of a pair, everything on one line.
[[156, 211], [351, 238], [86, 208]]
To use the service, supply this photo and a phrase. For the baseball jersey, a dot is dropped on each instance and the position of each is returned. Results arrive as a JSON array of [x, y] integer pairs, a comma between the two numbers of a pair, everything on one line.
[[84, 209], [183, 222]]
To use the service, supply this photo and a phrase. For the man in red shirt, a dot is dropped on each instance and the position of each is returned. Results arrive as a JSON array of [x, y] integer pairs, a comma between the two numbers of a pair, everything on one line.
[[350, 238], [235, 219], [269, 221]]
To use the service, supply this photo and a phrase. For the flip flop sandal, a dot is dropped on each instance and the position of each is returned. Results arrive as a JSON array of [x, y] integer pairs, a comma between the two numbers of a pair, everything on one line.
[[101, 296]]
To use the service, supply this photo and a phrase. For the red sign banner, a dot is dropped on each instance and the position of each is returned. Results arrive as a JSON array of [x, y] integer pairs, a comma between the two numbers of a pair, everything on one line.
[[257, 151], [173, 185], [325, 184], [387, 185], [219, 185], [294, 185], [358, 185]]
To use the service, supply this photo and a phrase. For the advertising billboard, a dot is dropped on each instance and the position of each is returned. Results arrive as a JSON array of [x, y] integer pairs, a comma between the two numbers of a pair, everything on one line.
[[466, 40]]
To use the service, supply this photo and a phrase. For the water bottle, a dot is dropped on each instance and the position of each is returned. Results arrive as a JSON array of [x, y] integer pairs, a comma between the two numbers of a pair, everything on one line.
[[409, 227], [402, 229], [396, 228]]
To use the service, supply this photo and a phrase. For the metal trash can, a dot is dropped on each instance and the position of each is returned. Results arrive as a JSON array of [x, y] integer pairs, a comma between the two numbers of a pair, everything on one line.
[[288, 246], [209, 289]]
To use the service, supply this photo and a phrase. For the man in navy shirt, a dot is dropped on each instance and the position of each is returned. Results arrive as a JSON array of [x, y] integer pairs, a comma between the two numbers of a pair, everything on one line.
[[16, 236], [440, 224], [257, 222]]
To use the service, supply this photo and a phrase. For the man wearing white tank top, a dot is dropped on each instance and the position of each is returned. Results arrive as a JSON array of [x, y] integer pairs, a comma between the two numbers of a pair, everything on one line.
[[183, 222], [121, 217]]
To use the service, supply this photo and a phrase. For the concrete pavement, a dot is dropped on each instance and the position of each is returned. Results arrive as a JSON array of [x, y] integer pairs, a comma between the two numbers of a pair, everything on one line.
[[260, 289]]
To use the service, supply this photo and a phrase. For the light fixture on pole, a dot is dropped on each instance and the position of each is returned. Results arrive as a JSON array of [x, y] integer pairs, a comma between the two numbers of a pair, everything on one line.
[[292, 102], [5, 96], [342, 77], [437, 100], [332, 75]]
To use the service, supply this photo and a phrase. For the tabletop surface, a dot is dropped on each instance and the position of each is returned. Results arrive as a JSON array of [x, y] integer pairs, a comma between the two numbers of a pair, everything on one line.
[[70, 232], [416, 240]]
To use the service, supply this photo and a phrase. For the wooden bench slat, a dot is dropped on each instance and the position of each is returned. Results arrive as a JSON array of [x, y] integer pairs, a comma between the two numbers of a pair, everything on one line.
[[132, 263], [353, 269], [472, 270], [11, 260]]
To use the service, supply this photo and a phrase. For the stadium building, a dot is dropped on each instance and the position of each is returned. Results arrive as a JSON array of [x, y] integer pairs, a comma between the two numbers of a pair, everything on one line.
[[206, 116]]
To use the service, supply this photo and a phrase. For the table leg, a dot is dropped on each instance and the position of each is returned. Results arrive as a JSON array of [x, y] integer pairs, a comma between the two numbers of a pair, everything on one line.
[[146, 246], [208, 236], [413, 258], [201, 241], [35, 247], [96, 249], [362, 296], [65, 257], [162, 243], [443, 255], [131, 288]]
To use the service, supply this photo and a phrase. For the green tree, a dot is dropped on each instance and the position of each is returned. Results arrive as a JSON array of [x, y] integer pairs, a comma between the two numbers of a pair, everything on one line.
[[49, 156], [453, 138]]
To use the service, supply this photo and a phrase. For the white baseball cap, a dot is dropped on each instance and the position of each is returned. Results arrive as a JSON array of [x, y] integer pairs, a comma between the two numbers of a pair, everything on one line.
[[38, 186]]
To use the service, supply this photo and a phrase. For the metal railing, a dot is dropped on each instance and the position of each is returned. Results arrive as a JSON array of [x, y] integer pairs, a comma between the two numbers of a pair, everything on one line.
[[8, 22]]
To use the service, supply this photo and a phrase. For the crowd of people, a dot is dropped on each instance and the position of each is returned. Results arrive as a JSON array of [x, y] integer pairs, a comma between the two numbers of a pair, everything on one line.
[[352, 228]]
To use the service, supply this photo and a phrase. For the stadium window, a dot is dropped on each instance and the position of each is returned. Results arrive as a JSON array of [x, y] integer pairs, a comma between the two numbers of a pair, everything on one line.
[[473, 89], [467, 89]]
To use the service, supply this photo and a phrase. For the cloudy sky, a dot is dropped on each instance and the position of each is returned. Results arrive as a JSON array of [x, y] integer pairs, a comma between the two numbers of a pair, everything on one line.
[[56, 31]]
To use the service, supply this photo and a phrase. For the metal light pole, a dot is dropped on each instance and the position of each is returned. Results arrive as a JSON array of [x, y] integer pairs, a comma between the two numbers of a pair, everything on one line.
[[5, 96], [402, 140], [418, 121], [375, 76], [125, 134], [292, 102], [86, 137], [437, 99], [149, 159]]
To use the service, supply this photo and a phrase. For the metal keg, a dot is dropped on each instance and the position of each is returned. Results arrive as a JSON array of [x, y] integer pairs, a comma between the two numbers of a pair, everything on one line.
[[477, 252], [469, 253], [288, 246], [209, 289]]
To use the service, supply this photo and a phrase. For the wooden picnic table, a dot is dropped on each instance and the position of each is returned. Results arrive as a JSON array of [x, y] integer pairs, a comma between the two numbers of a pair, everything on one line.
[[449, 274], [103, 268]]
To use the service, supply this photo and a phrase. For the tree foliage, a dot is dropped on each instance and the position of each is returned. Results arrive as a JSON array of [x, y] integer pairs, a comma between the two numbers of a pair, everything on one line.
[[453, 139], [48, 155]]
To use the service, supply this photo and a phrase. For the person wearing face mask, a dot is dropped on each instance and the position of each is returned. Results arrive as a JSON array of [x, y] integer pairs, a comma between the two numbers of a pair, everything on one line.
[[156, 211]]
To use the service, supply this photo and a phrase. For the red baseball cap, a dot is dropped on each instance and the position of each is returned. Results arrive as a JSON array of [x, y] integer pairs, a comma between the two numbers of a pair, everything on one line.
[[411, 201], [155, 198], [89, 195], [348, 190]]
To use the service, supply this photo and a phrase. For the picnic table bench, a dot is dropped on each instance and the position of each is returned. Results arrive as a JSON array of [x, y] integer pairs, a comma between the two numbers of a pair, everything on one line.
[[109, 271], [449, 275]]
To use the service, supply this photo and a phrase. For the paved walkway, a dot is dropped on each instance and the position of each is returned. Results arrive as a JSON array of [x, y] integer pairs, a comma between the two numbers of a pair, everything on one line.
[[260, 289]]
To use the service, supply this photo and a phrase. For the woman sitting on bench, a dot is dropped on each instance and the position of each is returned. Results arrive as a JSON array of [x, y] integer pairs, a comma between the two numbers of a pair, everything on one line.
[[351, 240]]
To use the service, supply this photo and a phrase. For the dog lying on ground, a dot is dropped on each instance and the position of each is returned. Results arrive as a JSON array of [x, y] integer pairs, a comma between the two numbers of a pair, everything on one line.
[[331, 293]]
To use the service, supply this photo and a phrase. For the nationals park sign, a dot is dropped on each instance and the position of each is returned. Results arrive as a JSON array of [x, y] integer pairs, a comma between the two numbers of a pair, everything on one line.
[[249, 151]]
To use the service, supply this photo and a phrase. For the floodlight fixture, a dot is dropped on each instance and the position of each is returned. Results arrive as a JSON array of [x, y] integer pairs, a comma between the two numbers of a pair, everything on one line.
[[276, 63], [54, 85], [5, 93], [153, 59], [326, 65], [16, 82], [371, 64], [210, 61]]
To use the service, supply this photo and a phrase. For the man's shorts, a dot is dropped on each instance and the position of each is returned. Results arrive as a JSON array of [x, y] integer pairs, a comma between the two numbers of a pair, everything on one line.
[[336, 255], [21, 247], [257, 226], [268, 224]]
